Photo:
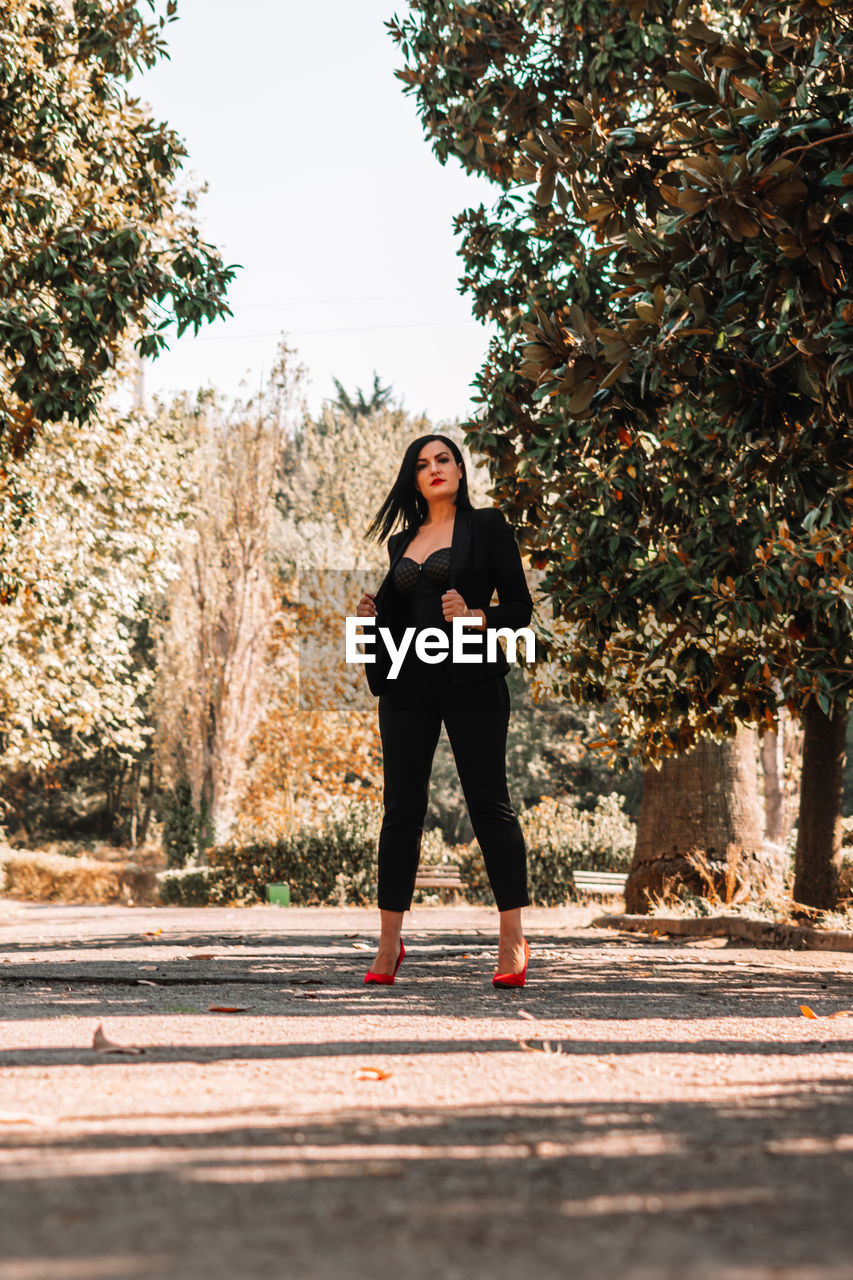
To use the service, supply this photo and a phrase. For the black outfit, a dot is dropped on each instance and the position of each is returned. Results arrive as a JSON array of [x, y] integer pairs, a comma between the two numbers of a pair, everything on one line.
[[471, 699]]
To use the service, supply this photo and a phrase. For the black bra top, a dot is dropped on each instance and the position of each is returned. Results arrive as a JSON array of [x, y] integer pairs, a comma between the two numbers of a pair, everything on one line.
[[435, 569]]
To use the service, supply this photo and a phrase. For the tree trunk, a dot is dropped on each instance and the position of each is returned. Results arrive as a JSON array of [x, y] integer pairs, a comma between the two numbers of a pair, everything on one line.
[[700, 823], [114, 792], [781, 759], [135, 783], [149, 805], [818, 857]]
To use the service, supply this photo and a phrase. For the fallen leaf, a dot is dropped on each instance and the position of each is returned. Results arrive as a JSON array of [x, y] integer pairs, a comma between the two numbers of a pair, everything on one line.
[[228, 1008], [807, 1012], [144, 982], [522, 1013], [362, 946], [101, 1044], [202, 955], [546, 1047], [371, 1073], [152, 933], [842, 1013], [148, 968]]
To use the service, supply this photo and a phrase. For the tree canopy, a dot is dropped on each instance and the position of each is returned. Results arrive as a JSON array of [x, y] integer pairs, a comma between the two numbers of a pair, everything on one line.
[[667, 403], [363, 402], [97, 241]]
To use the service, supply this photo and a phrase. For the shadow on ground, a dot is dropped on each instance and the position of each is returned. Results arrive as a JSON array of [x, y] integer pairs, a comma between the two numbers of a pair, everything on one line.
[[590, 979], [641, 1190]]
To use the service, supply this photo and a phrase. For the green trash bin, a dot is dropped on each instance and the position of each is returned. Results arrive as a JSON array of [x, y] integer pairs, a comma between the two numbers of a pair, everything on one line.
[[278, 895]]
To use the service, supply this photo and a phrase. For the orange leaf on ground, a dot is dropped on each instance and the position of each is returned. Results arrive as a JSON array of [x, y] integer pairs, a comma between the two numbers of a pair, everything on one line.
[[807, 1012], [842, 1013], [228, 1008], [371, 1073]]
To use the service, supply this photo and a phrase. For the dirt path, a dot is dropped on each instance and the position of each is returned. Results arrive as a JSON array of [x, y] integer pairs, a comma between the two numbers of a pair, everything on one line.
[[693, 1124]]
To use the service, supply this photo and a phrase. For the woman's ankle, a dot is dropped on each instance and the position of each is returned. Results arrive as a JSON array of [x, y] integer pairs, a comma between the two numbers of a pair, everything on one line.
[[511, 927]]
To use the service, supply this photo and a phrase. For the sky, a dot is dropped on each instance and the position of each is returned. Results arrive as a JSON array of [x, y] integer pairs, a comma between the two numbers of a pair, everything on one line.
[[322, 186]]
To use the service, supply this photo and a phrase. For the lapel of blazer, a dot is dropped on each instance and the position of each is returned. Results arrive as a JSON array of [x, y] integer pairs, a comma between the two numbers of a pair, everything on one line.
[[385, 585], [460, 544]]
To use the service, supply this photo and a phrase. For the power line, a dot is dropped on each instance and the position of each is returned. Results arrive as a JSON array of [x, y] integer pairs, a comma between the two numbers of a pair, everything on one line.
[[364, 297], [367, 328]]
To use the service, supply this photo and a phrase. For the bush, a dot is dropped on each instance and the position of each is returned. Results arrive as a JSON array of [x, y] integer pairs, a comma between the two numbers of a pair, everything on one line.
[[191, 887], [180, 826], [328, 862], [332, 861], [37, 876], [561, 838], [335, 860]]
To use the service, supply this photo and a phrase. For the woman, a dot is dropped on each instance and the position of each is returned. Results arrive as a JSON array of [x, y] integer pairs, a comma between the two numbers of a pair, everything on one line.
[[445, 564]]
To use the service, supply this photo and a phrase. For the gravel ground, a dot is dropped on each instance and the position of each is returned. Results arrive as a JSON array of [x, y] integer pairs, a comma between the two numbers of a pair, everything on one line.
[[644, 1108]]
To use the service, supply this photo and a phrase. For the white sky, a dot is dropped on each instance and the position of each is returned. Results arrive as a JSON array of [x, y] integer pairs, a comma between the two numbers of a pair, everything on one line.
[[323, 186]]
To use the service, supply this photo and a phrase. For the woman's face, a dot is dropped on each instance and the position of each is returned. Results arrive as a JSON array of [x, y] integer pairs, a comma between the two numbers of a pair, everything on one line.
[[437, 474]]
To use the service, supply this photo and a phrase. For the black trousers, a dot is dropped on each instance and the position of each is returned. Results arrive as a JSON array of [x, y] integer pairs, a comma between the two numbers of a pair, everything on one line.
[[476, 717]]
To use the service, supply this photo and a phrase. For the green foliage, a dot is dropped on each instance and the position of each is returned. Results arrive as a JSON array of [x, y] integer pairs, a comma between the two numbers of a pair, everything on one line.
[[561, 837], [667, 404], [321, 862], [190, 887], [335, 860], [88, 562], [181, 825], [362, 403], [547, 753], [96, 241]]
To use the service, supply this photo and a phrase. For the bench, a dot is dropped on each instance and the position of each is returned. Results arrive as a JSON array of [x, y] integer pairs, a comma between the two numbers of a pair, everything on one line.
[[601, 884], [445, 878]]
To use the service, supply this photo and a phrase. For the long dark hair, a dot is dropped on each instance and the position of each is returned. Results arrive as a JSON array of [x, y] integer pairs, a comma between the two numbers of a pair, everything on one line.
[[404, 502]]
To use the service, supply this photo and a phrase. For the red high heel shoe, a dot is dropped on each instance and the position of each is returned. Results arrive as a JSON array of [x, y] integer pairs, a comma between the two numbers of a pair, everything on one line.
[[513, 979], [386, 979]]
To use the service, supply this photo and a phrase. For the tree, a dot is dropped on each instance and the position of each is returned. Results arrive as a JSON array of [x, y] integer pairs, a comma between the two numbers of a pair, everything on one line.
[[94, 551], [96, 241], [680, 453], [700, 823], [362, 403], [781, 762], [99, 545], [213, 642]]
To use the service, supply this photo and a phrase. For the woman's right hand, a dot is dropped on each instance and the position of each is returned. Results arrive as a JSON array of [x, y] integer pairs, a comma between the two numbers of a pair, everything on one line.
[[366, 608]]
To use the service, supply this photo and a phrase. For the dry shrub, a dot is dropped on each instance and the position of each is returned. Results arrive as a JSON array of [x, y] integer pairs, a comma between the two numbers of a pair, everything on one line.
[[53, 877], [762, 882]]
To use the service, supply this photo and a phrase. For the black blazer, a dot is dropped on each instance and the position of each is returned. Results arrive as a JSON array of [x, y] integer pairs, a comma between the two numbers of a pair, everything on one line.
[[484, 558]]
